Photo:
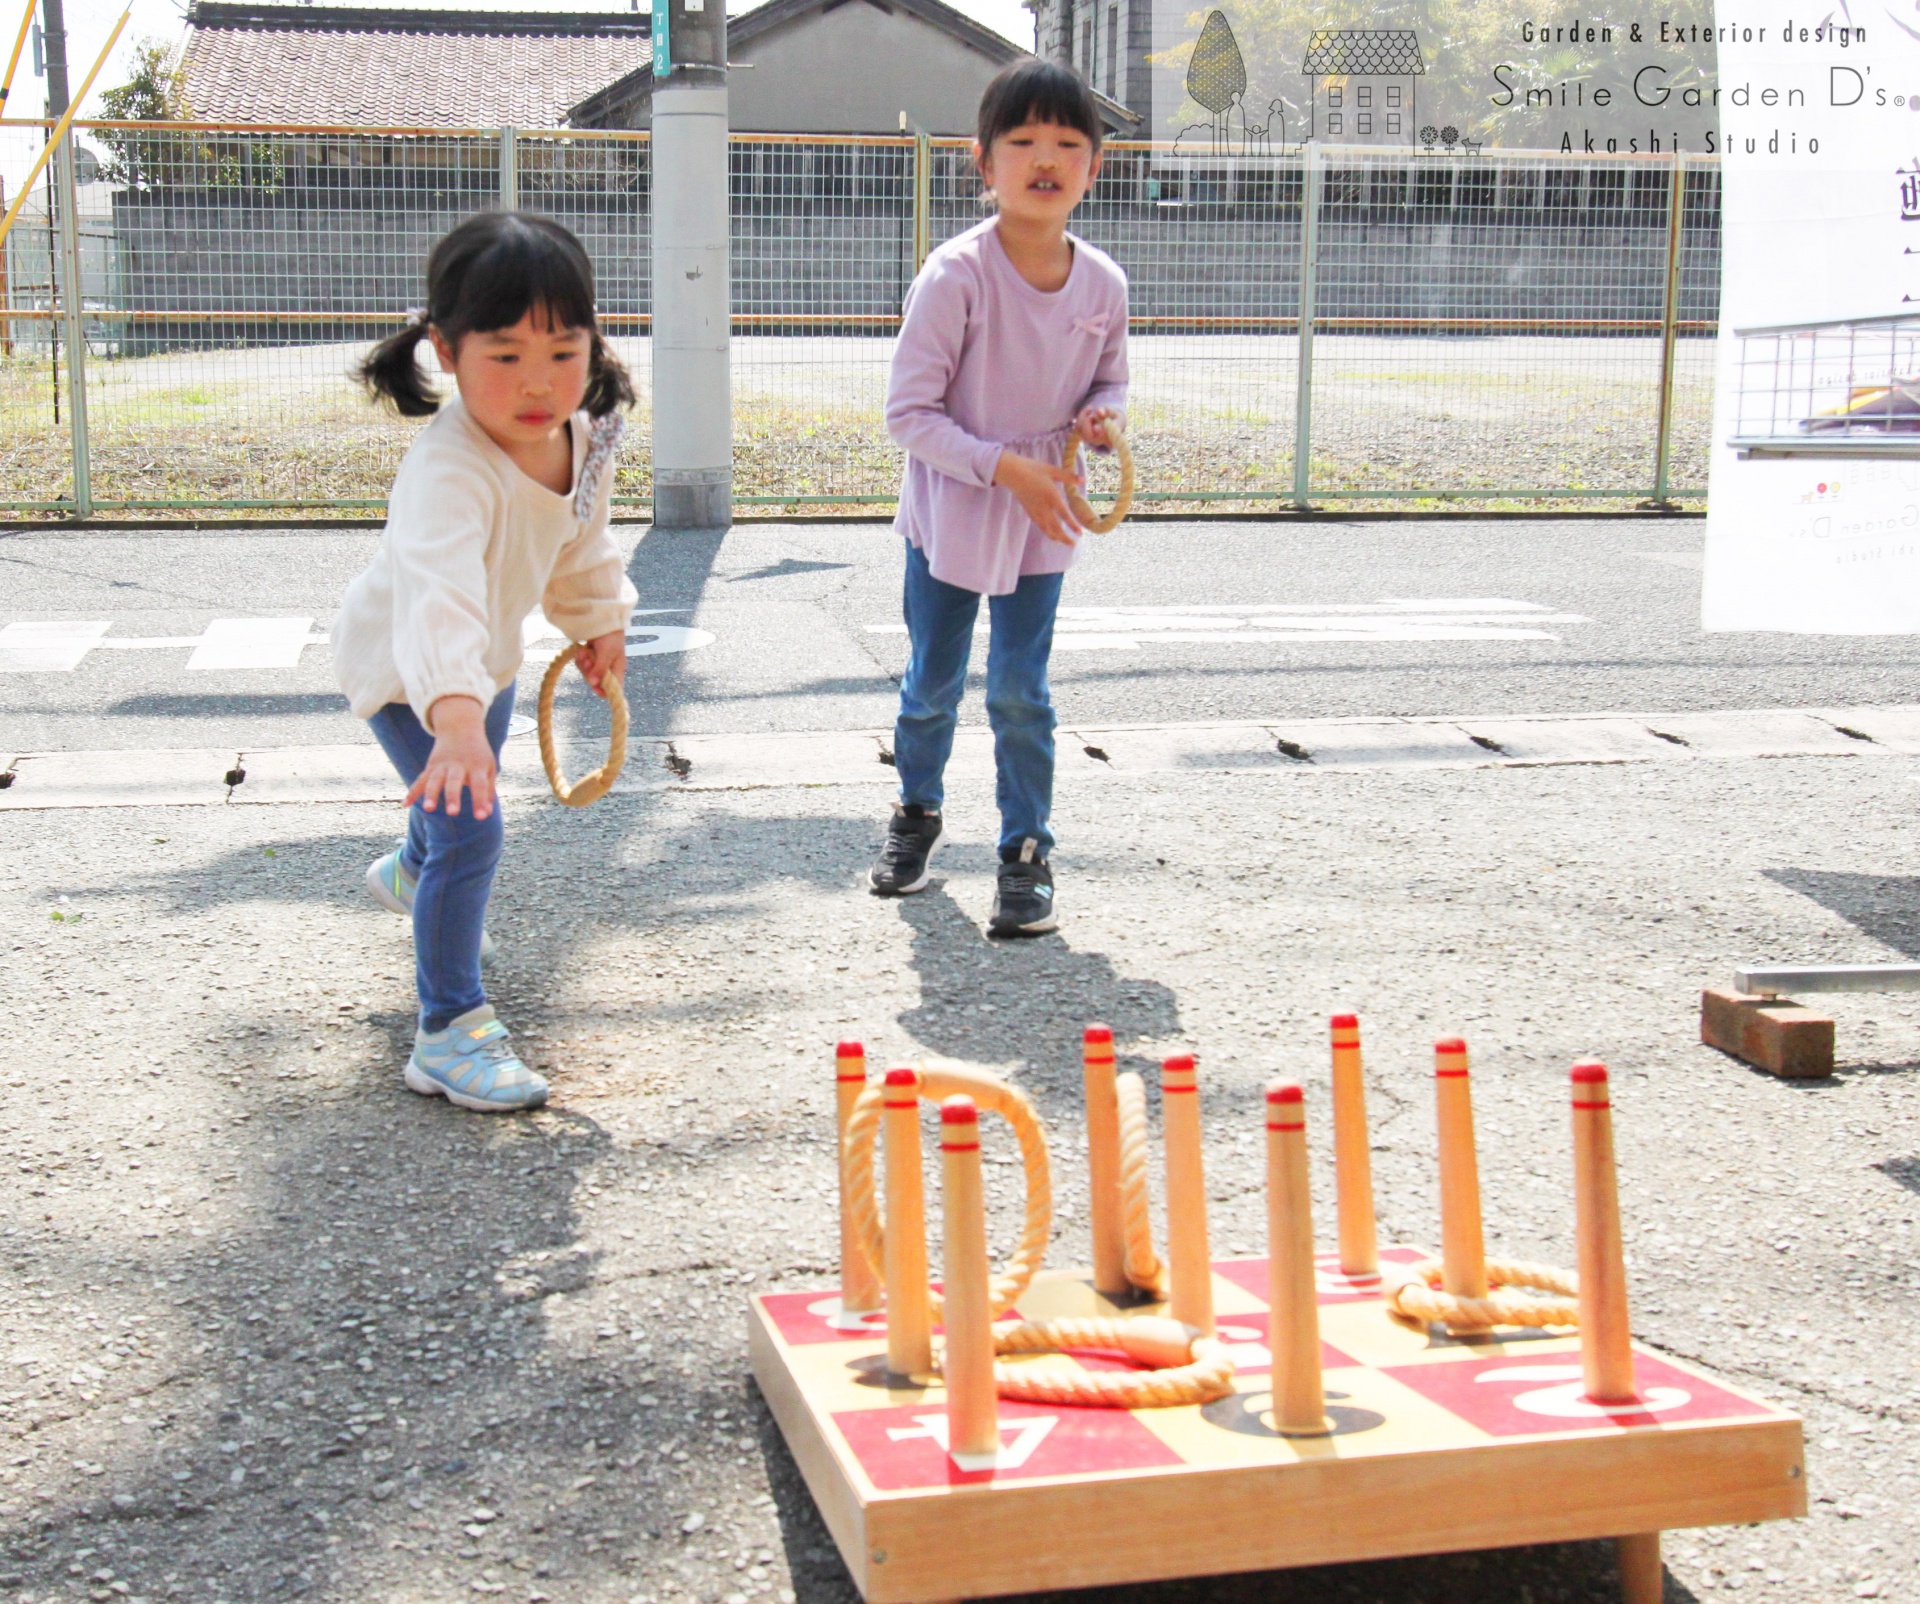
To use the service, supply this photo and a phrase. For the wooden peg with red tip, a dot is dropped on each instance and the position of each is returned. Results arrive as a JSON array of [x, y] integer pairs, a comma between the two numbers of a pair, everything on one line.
[[1606, 1343], [859, 1287], [909, 1309], [1293, 1298], [1104, 1216], [966, 1308], [1352, 1154], [1463, 1251], [1189, 1258], [1606, 1338]]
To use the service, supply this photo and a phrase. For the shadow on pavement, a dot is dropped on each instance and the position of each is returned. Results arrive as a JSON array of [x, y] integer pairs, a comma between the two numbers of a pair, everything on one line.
[[1883, 906]]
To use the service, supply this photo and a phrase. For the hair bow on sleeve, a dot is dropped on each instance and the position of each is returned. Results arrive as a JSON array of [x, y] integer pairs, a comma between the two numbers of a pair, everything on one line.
[[1097, 324]]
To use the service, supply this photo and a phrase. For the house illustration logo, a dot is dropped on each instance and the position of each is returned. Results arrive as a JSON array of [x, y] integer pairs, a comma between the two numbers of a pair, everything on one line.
[[1217, 83], [1363, 85]]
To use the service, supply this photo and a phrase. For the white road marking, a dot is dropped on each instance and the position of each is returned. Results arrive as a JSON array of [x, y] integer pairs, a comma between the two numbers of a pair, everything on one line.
[[250, 643], [643, 640], [54, 648], [59, 647], [1089, 629]]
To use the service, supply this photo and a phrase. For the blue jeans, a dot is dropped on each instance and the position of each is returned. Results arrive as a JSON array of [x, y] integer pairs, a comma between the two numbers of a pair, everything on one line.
[[452, 859], [940, 621]]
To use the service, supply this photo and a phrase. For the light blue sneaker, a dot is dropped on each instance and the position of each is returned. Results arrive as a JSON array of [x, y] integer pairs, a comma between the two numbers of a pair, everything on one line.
[[392, 888], [472, 1065]]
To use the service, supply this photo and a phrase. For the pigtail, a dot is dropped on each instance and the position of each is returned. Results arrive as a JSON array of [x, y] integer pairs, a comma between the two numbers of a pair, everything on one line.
[[392, 370], [609, 385]]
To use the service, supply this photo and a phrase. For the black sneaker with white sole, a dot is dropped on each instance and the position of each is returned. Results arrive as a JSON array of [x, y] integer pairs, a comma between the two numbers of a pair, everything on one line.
[[1023, 897], [912, 834]]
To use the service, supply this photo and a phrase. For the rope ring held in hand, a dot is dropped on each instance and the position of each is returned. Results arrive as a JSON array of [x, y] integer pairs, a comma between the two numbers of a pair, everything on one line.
[[589, 787], [1144, 1268], [1082, 509], [1419, 1296], [992, 1096], [1186, 1367]]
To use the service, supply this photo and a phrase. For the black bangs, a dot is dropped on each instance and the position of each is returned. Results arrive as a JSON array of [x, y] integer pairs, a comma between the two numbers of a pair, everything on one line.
[[494, 269], [488, 274], [1036, 91]]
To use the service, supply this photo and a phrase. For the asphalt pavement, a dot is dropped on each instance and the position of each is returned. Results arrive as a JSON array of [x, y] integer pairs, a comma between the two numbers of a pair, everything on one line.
[[277, 1328], [1163, 623]]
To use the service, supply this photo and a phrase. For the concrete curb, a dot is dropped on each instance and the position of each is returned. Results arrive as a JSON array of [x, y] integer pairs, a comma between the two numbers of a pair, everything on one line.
[[360, 773]]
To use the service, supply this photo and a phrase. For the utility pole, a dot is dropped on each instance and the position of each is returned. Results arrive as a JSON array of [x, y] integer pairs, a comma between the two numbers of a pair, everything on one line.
[[692, 293], [67, 225]]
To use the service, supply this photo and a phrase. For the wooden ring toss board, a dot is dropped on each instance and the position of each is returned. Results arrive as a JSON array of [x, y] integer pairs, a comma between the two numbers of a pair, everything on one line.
[[589, 787], [1439, 1444]]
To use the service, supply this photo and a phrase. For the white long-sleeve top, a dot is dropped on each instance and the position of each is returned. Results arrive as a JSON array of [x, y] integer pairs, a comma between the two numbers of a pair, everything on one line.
[[472, 545]]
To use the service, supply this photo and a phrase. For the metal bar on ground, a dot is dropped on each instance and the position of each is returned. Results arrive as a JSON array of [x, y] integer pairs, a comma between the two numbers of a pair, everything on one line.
[[1785, 979]]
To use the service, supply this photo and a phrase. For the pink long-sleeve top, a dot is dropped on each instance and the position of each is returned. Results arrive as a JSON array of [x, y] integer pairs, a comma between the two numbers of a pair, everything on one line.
[[986, 363]]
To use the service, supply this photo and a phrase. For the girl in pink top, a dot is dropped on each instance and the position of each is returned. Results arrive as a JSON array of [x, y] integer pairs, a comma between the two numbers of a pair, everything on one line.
[[1014, 338]]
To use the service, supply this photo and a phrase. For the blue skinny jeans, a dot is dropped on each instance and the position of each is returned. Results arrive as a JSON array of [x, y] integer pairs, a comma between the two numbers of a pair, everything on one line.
[[452, 859], [940, 619]]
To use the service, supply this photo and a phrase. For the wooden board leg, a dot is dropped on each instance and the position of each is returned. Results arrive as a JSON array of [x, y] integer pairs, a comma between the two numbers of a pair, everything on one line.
[[1642, 1578]]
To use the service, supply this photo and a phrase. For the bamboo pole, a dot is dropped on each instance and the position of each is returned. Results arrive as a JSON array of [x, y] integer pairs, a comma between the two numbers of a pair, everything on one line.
[[13, 61]]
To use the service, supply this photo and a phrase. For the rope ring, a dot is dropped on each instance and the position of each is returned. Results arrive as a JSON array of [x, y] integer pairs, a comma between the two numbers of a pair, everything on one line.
[[1419, 1296], [589, 787], [1098, 522], [1144, 1268], [993, 1096], [1185, 1366]]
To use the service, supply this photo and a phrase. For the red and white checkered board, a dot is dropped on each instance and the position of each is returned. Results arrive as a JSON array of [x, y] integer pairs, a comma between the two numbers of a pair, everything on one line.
[[1438, 1444]]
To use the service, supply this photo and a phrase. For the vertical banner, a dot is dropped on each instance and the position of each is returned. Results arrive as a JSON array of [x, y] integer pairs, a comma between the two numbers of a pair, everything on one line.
[[1813, 522]]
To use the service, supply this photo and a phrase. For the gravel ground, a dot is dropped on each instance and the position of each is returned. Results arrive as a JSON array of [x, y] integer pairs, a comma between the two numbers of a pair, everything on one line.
[[277, 1328]]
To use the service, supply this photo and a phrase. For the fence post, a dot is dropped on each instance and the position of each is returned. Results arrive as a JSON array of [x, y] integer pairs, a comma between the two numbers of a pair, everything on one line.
[[509, 169], [1669, 326], [1303, 399], [922, 198], [73, 314]]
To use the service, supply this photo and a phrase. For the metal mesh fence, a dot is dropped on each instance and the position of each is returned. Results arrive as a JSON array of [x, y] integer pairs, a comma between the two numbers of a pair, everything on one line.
[[1493, 327]]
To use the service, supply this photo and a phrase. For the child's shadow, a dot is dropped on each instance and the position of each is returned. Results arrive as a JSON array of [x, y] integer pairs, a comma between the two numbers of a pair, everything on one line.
[[996, 1002]]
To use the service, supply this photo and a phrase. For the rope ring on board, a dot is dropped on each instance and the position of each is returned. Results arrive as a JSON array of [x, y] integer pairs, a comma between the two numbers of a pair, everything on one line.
[[1419, 1296], [589, 787], [1144, 1268], [993, 1096], [1186, 1366], [1101, 522]]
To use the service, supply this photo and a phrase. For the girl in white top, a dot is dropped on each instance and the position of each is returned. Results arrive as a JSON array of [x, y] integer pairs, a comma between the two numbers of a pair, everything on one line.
[[499, 507]]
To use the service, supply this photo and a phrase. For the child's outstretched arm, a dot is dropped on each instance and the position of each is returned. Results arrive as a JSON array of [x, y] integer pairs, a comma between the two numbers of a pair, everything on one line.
[[461, 759], [436, 540], [932, 331]]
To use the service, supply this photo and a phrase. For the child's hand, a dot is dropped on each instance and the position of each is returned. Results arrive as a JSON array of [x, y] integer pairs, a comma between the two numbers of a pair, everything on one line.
[[461, 759], [1091, 426], [1040, 488], [602, 656]]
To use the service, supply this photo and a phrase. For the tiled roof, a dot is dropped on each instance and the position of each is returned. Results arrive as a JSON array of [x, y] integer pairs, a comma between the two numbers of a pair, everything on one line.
[[1363, 53], [301, 64]]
